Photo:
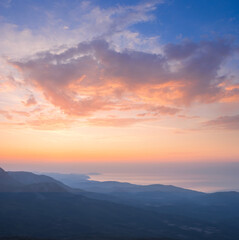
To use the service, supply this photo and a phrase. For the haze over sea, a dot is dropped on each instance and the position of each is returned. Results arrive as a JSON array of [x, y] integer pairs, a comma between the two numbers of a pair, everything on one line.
[[206, 177], [201, 176]]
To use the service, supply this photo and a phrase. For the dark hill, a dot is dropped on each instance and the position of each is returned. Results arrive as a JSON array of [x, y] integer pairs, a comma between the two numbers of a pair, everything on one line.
[[27, 178], [37, 206], [43, 187], [71, 216], [7, 184]]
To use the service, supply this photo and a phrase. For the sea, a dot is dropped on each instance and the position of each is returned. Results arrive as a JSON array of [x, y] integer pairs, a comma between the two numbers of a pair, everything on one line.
[[206, 177]]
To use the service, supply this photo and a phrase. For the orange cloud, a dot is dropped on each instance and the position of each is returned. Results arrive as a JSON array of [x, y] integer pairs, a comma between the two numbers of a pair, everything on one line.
[[94, 77]]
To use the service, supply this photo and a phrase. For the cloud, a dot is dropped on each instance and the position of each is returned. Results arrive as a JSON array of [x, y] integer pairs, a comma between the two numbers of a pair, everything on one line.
[[223, 123], [83, 22], [89, 77], [232, 92], [117, 19], [6, 114], [187, 117], [21, 113], [116, 122], [30, 101], [54, 123], [6, 3], [199, 66], [39, 122], [155, 110], [99, 64], [7, 83]]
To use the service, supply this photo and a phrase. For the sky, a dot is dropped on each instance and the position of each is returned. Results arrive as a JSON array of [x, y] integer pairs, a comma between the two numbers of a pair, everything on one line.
[[118, 82]]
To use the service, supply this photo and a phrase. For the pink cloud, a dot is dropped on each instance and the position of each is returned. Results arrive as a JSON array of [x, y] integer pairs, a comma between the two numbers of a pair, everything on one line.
[[6, 114], [93, 76], [30, 101]]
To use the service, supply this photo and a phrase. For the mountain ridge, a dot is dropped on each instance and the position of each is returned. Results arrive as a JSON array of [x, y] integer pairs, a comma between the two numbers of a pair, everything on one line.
[[39, 206]]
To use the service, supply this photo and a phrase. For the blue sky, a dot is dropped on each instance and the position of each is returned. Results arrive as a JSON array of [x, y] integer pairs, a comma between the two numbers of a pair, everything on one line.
[[174, 19]]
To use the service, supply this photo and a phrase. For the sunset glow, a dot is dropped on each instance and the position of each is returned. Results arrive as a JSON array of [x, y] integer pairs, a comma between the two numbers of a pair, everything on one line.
[[87, 82]]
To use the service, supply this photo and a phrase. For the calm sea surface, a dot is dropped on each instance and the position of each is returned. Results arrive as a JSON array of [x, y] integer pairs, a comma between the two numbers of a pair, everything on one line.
[[207, 178]]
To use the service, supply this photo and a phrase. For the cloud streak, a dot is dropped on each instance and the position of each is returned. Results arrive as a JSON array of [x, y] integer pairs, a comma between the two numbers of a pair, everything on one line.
[[117, 122], [223, 123], [30, 101]]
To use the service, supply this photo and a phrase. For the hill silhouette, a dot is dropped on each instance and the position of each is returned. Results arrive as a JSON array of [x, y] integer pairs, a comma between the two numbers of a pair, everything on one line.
[[37, 206]]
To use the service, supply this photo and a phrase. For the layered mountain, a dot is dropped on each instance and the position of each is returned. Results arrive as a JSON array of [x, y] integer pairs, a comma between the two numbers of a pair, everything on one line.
[[82, 181], [37, 206], [29, 182], [72, 180], [7, 183], [31, 178], [127, 193], [113, 186], [72, 216]]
